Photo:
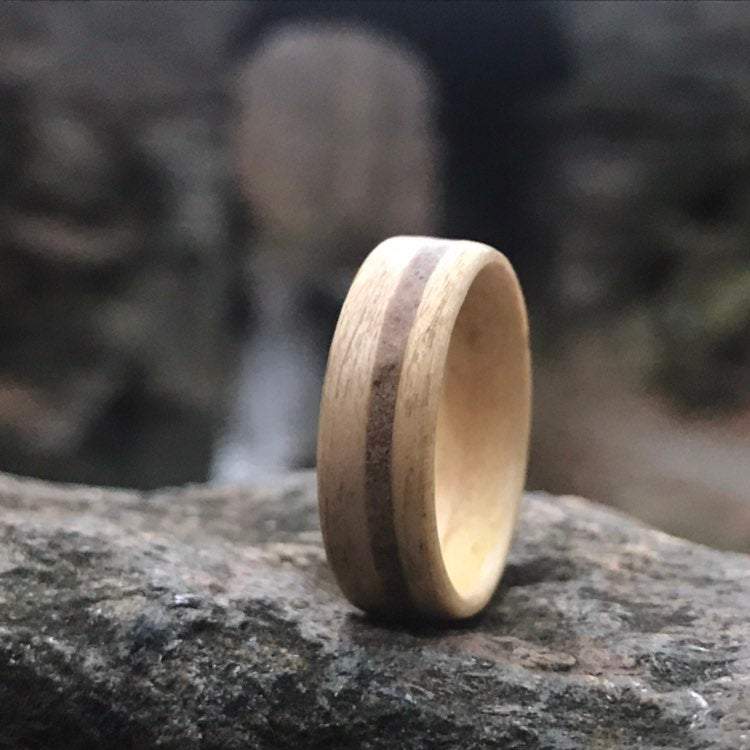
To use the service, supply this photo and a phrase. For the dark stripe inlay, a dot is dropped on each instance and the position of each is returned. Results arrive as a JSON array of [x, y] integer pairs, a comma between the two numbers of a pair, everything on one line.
[[397, 324]]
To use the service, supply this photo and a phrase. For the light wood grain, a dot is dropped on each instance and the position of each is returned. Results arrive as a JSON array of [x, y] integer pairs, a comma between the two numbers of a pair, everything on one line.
[[424, 428]]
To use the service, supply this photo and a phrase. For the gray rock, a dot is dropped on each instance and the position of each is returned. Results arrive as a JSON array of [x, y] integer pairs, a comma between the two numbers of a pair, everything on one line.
[[207, 617]]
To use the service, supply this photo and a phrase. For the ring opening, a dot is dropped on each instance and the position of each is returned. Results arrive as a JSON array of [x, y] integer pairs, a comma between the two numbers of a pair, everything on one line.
[[482, 432]]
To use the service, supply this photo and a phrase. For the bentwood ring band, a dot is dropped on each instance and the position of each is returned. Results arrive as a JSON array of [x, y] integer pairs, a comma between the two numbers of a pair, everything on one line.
[[424, 428]]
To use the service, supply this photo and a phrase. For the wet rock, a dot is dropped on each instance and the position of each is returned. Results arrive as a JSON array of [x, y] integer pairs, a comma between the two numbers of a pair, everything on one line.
[[207, 617]]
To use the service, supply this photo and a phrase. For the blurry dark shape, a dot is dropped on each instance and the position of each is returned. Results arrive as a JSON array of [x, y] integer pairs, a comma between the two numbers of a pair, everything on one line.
[[656, 226], [83, 213], [647, 406], [704, 329], [712, 202], [335, 150], [114, 266], [338, 148], [12, 141], [491, 61]]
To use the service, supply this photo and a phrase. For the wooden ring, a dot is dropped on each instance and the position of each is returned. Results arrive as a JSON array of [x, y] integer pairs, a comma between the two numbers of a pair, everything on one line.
[[424, 428]]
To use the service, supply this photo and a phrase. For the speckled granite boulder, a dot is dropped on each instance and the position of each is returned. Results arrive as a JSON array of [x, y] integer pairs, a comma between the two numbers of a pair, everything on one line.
[[207, 617]]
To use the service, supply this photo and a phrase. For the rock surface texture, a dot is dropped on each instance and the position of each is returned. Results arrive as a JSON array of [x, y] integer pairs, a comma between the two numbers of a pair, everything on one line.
[[207, 617]]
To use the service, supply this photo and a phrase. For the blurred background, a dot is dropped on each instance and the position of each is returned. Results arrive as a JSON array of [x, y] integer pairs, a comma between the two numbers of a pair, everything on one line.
[[187, 188]]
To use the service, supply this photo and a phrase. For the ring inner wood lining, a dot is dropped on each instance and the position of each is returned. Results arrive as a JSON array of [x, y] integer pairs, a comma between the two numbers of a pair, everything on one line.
[[479, 456]]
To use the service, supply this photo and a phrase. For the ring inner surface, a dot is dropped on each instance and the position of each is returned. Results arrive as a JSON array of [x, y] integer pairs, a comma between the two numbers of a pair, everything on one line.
[[481, 441]]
